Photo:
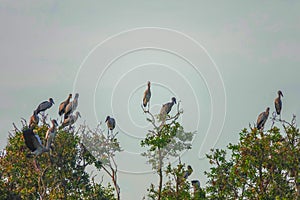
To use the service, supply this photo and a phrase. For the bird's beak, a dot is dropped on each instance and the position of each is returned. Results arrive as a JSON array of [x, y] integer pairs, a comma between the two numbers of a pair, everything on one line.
[[79, 114]]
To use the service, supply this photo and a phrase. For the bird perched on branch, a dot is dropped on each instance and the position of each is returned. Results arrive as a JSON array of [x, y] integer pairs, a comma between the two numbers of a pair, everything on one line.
[[188, 172], [33, 143], [147, 96], [278, 103], [50, 134], [71, 107], [70, 120], [44, 106], [196, 183], [63, 105], [34, 120], [166, 108], [111, 123], [262, 118]]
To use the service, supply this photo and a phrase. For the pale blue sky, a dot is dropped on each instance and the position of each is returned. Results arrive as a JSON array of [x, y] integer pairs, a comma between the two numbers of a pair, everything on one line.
[[255, 45]]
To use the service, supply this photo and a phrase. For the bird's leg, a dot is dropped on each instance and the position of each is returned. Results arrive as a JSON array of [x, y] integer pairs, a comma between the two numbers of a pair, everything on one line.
[[261, 132], [44, 116]]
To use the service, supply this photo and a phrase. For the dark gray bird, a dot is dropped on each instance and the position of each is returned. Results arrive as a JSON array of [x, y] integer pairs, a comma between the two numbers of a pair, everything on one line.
[[33, 143], [63, 105], [188, 172], [111, 123], [71, 107], [70, 120], [196, 183], [44, 105], [34, 120], [50, 134], [262, 118], [278, 102], [166, 108], [147, 96]]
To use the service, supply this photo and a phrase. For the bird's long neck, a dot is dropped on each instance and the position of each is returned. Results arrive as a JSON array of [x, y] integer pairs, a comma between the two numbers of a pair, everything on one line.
[[172, 103], [267, 112], [75, 100]]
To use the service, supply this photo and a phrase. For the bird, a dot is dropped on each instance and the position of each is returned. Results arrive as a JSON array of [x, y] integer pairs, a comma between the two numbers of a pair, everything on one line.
[[34, 120], [188, 172], [50, 134], [111, 123], [166, 108], [147, 96], [262, 118], [71, 119], [278, 102], [196, 183], [63, 105], [71, 107], [33, 143], [44, 105]]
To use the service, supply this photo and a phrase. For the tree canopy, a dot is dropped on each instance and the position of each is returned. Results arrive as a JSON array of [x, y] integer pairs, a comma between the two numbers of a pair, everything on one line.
[[59, 174]]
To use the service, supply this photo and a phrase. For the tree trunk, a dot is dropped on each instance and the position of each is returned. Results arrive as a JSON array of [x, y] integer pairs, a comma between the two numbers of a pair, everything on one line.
[[114, 178], [297, 184], [177, 186], [160, 174]]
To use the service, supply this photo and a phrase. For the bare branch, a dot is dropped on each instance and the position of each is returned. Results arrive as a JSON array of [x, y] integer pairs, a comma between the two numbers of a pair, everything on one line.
[[16, 128]]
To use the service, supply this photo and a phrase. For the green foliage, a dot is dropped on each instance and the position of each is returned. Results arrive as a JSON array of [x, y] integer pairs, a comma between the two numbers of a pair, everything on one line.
[[177, 187], [59, 174], [263, 165], [163, 142], [170, 140]]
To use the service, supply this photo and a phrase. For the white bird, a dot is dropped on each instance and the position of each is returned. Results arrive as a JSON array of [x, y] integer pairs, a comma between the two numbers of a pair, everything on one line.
[[71, 107], [44, 105], [71, 119], [34, 120], [111, 123], [278, 103], [33, 143], [50, 134], [166, 108], [262, 118], [147, 96]]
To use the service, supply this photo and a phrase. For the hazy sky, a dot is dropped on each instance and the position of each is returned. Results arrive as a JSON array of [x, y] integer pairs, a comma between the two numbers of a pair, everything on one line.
[[225, 61]]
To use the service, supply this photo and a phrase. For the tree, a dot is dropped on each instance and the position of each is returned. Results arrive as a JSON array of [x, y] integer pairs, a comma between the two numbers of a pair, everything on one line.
[[177, 186], [104, 149], [164, 141], [59, 174], [263, 165]]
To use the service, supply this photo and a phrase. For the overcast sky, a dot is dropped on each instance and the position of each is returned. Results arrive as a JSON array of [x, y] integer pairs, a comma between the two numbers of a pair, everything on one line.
[[225, 61]]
